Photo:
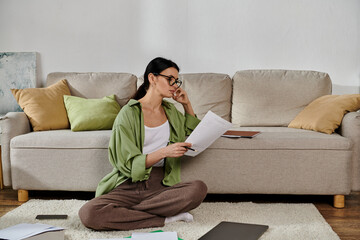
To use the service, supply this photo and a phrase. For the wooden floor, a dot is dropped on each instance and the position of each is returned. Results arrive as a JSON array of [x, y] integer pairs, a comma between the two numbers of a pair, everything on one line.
[[345, 222]]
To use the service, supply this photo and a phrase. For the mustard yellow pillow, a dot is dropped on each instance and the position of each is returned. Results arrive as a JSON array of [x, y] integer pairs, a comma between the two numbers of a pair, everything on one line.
[[44, 106], [325, 113]]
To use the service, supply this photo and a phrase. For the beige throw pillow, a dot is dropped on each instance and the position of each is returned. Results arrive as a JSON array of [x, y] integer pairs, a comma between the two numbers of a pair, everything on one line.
[[325, 113], [44, 106]]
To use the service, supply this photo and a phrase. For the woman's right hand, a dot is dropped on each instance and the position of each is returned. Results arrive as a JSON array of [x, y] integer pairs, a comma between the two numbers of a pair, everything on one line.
[[176, 149]]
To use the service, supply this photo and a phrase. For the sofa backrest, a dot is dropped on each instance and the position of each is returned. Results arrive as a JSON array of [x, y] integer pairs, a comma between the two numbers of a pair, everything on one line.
[[206, 91], [97, 85], [274, 97]]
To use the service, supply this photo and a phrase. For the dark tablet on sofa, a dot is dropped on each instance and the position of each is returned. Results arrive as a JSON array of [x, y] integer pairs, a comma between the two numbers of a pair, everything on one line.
[[234, 230]]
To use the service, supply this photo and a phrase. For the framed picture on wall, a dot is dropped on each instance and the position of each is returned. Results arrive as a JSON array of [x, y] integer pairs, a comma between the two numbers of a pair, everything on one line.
[[17, 70]]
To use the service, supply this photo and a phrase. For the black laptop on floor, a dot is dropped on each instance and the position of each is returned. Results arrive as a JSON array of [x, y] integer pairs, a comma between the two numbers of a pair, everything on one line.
[[235, 231]]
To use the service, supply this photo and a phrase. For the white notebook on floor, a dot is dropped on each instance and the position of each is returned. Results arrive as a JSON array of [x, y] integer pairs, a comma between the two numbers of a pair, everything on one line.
[[155, 236], [148, 236], [32, 231]]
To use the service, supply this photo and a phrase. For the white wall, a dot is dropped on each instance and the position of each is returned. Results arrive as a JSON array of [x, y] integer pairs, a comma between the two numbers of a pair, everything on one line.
[[200, 35]]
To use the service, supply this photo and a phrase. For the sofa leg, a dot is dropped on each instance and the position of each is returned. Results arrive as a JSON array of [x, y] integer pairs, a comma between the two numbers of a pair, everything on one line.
[[339, 201], [23, 195]]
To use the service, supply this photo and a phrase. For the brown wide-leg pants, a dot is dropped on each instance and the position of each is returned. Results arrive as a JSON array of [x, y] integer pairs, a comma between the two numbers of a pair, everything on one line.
[[142, 204]]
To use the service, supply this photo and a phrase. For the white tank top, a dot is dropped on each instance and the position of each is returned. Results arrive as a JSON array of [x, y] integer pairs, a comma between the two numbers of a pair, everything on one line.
[[156, 138]]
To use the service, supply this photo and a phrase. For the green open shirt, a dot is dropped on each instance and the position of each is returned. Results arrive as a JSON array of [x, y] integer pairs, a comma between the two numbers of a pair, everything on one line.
[[126, 144]]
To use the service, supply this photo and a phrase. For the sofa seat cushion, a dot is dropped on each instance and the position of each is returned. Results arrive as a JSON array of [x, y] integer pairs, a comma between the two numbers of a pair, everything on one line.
[[283, 138], [269, 138], [63, 139]]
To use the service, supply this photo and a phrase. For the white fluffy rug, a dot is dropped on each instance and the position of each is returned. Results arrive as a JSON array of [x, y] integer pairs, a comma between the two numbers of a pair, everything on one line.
[[286, 221]]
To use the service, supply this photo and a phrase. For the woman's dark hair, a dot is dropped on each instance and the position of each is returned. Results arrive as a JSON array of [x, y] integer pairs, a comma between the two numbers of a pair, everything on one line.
[[155, 66]]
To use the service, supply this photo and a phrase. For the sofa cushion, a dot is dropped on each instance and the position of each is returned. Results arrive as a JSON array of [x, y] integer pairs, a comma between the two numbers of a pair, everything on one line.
[[98, 85], [44, 106], [206, 91], [275, 97], [58, 169], [63, 139], [91, 114], [275, 138], [325, 113]]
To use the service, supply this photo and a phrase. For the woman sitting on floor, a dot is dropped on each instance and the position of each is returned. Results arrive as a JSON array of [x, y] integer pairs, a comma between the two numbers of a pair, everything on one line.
[[144, 188]]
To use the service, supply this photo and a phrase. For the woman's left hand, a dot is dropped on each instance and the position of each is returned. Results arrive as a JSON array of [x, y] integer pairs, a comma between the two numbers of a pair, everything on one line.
[[181, 96]]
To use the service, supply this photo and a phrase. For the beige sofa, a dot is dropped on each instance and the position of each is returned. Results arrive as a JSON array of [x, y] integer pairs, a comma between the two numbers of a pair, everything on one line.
[[280, 160]]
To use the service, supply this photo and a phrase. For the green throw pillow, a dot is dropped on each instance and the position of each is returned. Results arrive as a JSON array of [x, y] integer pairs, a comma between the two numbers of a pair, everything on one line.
[[91, 114]]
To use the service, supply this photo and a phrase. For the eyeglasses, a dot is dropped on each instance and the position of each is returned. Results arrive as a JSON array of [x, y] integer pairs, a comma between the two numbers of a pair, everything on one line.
[[171, 79]]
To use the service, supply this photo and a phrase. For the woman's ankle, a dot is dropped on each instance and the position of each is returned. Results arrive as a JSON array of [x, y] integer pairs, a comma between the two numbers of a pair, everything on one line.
[[186, 217]]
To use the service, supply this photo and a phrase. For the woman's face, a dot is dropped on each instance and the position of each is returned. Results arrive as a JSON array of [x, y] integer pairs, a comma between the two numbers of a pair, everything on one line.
[[162, 82]]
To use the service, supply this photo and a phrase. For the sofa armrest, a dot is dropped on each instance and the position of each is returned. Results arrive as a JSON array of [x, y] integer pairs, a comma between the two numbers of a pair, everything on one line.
[[12, 125], [350, 128]]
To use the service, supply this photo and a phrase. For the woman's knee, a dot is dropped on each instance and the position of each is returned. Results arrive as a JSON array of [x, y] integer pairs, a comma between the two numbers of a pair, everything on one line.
[[199, 191], [88, 215]]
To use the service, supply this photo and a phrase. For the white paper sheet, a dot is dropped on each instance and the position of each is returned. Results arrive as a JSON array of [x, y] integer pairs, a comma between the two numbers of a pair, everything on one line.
[[155, 236], [207, 131], [147, 236], [109, 238], [25, 230]]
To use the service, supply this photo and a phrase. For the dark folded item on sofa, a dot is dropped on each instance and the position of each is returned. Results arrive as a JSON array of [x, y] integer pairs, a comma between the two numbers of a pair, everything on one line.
[[240, 134]]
